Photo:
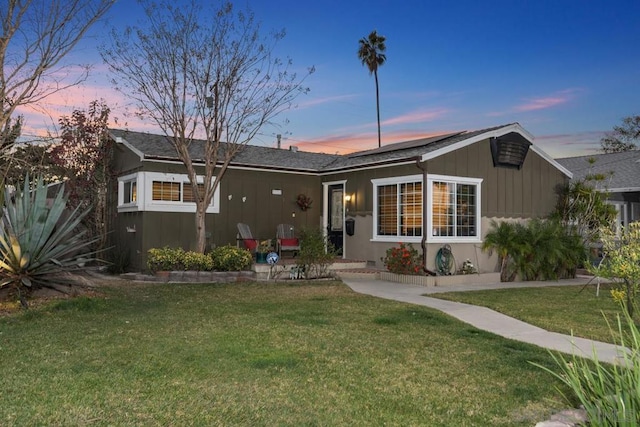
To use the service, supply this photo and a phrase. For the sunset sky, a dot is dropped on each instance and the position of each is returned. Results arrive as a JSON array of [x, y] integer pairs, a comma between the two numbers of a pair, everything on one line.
[[566, 70]]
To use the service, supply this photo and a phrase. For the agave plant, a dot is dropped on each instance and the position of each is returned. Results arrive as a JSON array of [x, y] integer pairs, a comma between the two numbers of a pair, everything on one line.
[[39, 240]]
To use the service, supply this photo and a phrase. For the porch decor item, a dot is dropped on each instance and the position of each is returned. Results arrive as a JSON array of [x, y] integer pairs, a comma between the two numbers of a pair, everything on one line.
[[304, 202], [286, 239], [247, 238]]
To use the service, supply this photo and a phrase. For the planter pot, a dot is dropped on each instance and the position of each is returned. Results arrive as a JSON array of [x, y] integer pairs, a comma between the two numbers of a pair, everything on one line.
[[261, 257]]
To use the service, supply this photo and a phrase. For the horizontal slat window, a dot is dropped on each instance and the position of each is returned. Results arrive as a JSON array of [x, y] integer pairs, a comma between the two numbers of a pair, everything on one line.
[[188, 196], [399, 208], [166, 191]]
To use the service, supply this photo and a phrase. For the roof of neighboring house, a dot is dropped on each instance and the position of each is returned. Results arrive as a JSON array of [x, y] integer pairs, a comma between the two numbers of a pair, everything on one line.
[[620, 170], [158, 147]]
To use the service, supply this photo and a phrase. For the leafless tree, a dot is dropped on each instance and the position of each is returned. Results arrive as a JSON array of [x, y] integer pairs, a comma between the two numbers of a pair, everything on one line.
[[36, 36], [624, 137], [204, 76]]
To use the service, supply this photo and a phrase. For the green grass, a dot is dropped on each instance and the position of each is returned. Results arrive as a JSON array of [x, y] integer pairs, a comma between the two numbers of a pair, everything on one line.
[[262, 354], [566, 309]]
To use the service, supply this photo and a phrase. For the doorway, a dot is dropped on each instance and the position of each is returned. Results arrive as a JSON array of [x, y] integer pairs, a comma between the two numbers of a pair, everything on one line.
[[335, 216]]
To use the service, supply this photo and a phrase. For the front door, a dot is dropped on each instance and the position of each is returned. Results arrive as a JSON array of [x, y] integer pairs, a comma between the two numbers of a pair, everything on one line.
[[335, 223]]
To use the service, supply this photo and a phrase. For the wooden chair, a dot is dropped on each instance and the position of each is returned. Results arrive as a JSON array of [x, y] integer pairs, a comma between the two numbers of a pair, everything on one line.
[[286, 239], [247, 238]]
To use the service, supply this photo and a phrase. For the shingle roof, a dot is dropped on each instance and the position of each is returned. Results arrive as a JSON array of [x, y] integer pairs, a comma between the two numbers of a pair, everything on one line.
[[151, 146], [621, 169]]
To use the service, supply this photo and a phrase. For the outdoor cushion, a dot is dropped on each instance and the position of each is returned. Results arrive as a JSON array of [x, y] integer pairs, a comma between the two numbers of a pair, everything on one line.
[[250, 244], [289, 242]]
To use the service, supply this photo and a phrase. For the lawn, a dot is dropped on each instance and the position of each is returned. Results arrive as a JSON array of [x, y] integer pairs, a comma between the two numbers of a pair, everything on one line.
[[262, 354], [566, 309]]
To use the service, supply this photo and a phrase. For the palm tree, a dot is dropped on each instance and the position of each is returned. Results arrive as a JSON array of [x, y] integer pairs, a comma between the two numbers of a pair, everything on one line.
[[371, 53]]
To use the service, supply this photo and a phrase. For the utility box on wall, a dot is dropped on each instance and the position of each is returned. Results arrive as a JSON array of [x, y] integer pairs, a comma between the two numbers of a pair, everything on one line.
[[350, 226]]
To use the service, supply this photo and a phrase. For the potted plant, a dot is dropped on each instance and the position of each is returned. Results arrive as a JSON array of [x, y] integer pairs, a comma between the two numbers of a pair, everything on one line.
[[263, 248]]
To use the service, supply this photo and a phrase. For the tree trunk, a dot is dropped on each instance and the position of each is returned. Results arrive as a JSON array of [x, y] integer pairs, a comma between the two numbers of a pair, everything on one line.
[[201, 235], [375, 74]]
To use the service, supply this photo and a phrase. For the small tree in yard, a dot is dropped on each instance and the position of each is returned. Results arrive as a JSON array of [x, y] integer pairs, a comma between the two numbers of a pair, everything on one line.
[[83, 153], [208, 79], [583, 204], [622, 260]]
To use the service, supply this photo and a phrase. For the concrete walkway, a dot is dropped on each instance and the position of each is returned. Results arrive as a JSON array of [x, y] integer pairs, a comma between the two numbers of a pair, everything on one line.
[[489, 320]]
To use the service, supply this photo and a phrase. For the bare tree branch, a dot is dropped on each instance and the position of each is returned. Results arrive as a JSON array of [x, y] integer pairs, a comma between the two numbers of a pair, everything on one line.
[[36, 36], [203, 75]]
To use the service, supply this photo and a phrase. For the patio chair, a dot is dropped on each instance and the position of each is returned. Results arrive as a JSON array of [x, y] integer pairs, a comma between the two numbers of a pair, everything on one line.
[[247, 238], [286, 239]]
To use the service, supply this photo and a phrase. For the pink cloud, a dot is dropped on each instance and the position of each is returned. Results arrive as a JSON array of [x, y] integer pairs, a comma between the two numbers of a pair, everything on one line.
[[416, 117], [542, 103], [325, 100]]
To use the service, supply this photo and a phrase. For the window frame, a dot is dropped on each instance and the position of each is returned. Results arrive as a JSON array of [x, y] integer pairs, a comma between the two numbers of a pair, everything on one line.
[[396, 180], [132, 205], [477, 182], [145, 202], [427, 220]]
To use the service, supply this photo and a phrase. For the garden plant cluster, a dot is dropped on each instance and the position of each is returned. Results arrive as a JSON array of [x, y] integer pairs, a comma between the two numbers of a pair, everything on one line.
[[222, 258], [403, 259]]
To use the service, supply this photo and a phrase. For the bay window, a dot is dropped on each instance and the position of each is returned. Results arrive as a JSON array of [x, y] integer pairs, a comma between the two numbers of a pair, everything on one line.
[[453, 209]]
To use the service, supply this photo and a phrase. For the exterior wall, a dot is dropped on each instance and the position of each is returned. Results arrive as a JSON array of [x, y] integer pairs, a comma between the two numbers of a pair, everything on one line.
[[506, 193], [262, 199]]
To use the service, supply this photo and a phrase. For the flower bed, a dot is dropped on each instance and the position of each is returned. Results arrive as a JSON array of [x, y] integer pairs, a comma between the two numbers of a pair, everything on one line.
[[457, 279]]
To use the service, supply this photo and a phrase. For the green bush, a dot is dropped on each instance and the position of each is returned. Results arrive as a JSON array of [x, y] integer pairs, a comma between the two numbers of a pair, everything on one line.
[[609, 393], [537, 250], [165, 259], [316, 253], [231, 258], [197, 261]]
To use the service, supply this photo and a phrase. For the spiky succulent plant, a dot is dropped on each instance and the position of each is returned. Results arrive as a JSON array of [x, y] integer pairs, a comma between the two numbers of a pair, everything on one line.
[[40, 240]]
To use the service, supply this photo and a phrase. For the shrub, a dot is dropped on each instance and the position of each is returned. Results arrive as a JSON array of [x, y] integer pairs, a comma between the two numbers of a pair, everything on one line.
[[609, 393], [230, 258], [165, 259], [197, 261], [38, 241], [316, 253], [404, 259], [537, 250]]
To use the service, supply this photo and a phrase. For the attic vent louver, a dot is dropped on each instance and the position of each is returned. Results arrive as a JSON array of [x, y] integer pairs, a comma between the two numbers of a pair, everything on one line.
[[509, 153]]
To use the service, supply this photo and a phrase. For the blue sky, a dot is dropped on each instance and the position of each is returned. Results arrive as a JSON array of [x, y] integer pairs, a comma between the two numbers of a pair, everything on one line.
[[566, 70]]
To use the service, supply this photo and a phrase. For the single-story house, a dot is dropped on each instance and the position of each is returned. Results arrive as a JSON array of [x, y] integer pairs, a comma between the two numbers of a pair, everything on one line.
[[436, 191], [619, 175]]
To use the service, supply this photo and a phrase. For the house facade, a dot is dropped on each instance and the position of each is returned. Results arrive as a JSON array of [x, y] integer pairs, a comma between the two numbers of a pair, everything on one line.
[[431, 192]]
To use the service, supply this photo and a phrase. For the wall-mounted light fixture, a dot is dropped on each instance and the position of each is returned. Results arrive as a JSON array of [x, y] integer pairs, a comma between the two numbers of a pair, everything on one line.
[[347, 198], [230, 196], [244, 199], [131, 229], [293, 214]]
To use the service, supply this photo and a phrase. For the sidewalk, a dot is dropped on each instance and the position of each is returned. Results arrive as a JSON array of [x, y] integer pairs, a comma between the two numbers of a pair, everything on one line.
[[489, 320]]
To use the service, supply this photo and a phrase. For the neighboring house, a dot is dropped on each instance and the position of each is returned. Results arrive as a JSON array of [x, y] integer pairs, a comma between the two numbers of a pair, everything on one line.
[[433, 191], [619, 175]]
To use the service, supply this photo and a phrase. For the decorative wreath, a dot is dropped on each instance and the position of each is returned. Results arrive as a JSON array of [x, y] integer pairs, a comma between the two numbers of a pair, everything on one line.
[[304, 202]]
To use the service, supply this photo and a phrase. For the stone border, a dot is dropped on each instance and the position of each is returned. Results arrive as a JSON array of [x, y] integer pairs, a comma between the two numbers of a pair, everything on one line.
[[193, 276]]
